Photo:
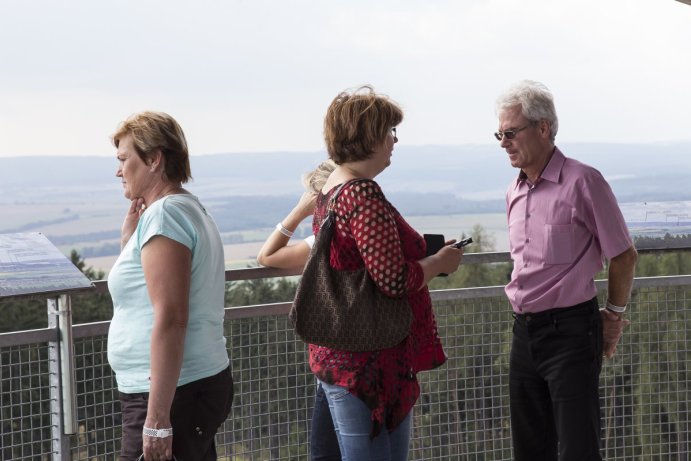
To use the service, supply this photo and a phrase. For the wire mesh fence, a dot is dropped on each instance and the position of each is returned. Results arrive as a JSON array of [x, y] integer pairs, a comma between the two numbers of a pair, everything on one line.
[[462, 413], [25, 402]]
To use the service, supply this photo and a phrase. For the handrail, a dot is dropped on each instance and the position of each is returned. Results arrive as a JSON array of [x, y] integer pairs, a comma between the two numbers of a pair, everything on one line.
[[282, 308], [254, 273], [17, 338]]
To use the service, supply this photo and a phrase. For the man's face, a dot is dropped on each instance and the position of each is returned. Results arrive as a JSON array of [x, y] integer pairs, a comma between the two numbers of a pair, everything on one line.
[[530, 147]]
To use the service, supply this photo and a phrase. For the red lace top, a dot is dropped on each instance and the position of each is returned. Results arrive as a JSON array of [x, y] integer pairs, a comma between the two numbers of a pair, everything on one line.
[[367, 224]]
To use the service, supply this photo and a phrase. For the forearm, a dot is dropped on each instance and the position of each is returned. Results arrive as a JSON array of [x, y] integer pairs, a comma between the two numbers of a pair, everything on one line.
[[431, 267], [124, 239], [445, 261], [295, 217], [271, 253], [167, 345], [126, 233], [620, 277]]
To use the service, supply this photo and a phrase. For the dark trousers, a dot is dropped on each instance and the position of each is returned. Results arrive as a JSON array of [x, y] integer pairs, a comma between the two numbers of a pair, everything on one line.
[[554, 371], [199, 408], [324, 441]]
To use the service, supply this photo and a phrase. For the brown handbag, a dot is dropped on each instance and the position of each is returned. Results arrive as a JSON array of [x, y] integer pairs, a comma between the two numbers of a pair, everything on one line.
[[345, 310]]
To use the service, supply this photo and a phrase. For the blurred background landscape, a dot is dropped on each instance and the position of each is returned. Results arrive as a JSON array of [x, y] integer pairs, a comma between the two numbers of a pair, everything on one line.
[[77, 201]]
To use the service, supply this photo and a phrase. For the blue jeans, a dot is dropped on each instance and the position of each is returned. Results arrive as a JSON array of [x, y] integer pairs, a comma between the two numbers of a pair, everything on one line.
[[323, 440], [352, 421]]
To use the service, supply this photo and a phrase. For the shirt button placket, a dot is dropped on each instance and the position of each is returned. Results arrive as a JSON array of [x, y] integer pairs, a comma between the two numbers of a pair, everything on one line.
[[527, 225]]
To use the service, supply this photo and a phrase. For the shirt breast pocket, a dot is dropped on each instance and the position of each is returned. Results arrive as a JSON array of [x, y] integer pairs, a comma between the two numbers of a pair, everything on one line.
[[559, 245]]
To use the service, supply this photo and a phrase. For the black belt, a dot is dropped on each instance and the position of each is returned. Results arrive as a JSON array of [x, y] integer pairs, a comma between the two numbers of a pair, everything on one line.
[[558, 312]]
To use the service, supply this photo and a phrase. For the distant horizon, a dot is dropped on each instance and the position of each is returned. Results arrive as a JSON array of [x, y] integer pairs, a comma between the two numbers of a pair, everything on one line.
[[323, 150], [78, 202]]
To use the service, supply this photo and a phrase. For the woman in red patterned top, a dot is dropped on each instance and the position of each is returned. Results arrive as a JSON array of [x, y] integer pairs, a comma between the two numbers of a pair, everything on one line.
[[371, 394]]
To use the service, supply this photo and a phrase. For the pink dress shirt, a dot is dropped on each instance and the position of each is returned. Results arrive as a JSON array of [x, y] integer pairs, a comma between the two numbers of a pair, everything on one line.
[[560, 228]]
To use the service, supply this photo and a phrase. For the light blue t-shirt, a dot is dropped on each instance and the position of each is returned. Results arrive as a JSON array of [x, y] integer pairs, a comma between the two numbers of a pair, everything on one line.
[[181, 218]]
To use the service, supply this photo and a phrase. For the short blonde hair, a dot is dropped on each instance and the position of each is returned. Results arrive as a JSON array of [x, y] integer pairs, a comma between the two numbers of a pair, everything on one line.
[[357, 122], [314, 180], [158, 130]]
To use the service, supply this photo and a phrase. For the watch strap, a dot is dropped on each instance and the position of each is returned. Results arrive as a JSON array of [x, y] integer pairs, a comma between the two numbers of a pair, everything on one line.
[[158, 433]]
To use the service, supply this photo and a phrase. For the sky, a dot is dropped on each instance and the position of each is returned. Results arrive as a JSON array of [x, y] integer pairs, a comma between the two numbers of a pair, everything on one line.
[[258, 75]]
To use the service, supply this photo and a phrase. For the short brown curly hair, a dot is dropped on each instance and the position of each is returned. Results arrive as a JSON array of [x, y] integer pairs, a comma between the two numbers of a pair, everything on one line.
[[158, 130], [357, 122]]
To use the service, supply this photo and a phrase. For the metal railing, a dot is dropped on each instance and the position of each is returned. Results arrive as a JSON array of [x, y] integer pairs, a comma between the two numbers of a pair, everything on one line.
[[462, 413]]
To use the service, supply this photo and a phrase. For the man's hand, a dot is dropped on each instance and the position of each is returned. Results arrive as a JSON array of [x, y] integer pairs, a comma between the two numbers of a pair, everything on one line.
[[612, 329]]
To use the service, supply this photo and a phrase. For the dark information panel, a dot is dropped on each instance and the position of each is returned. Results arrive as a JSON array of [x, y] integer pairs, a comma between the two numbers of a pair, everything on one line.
[[31, 265]]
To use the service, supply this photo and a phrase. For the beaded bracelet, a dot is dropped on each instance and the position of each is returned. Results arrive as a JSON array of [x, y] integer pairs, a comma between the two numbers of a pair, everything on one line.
[[283, 230]]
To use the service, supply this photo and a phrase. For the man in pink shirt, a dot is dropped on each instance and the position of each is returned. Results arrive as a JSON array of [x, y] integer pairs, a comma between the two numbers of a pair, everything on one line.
[[564, 221]]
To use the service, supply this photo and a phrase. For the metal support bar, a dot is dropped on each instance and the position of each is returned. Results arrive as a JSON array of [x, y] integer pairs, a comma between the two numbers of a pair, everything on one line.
[[69, 389], [60, 450], [62, 378]]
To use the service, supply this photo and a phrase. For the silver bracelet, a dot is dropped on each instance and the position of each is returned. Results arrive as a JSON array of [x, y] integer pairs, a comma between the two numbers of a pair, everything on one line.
[[158, 433], [283, 230], [614, 308]]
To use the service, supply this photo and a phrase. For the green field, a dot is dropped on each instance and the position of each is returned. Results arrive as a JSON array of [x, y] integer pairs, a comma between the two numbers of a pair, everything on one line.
[[90, 226]]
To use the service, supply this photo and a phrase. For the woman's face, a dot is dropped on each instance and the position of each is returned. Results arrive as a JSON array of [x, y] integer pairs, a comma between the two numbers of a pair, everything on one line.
[[134, 172], [382, 154]]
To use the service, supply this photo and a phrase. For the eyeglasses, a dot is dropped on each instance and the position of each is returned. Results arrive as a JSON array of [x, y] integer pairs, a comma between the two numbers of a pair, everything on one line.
[[393, 132], [510, 134]]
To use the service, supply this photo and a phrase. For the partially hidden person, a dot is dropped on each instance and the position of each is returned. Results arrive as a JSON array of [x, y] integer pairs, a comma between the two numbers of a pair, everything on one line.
[[279, 252]]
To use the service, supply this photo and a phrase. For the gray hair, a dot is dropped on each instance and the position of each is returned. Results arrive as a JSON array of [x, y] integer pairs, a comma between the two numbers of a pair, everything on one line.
[[535, 100]]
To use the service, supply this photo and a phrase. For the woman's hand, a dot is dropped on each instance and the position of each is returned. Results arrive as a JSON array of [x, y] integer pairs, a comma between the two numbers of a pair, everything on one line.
[[137, 207], [445, 261], [450, 259], [305, 206], [157, 448]]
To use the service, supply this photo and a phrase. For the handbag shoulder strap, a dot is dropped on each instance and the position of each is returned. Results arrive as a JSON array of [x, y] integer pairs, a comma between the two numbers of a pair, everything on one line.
[[334, 197], [332, 201], [330, 212]]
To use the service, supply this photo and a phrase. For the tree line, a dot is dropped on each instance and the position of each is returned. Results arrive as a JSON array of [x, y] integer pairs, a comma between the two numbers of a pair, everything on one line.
[[459, 413], [25, 314]]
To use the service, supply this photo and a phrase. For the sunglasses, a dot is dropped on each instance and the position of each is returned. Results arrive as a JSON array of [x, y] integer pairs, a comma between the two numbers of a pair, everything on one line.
[[510, 134]]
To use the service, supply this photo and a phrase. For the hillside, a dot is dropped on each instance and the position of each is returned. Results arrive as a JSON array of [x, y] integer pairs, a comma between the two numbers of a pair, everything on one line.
[[77, 201]]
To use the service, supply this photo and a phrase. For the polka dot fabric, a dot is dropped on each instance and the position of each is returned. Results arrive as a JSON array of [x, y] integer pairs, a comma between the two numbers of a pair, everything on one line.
[[371, 232]]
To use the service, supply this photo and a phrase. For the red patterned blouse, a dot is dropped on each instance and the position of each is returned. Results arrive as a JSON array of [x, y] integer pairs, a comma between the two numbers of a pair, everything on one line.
[[368, 225]]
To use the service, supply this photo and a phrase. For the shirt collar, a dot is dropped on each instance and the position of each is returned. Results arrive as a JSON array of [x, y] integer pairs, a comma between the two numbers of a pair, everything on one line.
[[551, 172]]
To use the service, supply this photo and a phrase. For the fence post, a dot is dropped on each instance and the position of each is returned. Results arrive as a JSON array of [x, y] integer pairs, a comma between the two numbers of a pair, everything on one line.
[[62, 382]]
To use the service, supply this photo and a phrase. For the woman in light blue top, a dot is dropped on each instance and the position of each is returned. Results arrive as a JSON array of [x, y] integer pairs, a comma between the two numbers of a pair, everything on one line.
[[166, 342]]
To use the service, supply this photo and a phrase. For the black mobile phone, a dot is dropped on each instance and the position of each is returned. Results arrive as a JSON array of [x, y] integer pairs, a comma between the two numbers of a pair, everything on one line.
[[434, 243], [462, 243]]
